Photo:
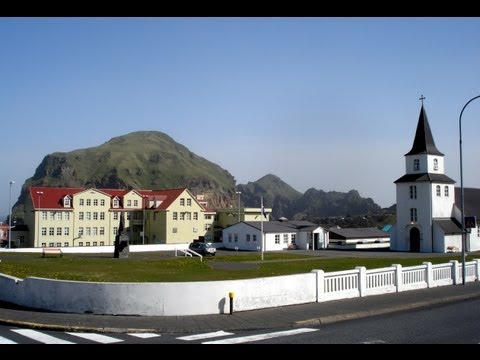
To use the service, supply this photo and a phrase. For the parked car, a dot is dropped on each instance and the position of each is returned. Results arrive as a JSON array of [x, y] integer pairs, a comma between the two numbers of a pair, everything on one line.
[[203, 248]]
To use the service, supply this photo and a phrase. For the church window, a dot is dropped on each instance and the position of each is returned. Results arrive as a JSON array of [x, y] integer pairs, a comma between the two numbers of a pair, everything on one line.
[[446, 191], [435, 164], [439, 193], [416, 164], [413, 192], [413, 214]]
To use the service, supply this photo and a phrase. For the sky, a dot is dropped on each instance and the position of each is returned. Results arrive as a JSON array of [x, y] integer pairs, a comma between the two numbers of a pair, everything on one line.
[[322, 102]]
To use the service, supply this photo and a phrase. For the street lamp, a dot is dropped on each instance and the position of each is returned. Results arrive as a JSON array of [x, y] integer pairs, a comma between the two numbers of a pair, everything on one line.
[[238, 193], [10, 216], [38, 220], [464, 241]]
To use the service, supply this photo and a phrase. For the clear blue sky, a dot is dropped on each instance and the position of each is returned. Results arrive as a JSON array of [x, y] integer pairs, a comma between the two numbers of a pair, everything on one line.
[[325, 103]]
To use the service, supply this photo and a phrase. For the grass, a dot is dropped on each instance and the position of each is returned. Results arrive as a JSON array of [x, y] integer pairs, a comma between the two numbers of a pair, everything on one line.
[[163, 267]]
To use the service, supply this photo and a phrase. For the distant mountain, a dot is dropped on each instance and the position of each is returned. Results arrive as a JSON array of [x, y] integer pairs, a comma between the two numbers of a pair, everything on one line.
[[276, 194], [153, 160]]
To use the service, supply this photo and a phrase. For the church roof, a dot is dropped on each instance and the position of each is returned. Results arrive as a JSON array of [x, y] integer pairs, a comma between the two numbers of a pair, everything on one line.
[[471, 201], [423, 142], [449, 226], [425, 177]]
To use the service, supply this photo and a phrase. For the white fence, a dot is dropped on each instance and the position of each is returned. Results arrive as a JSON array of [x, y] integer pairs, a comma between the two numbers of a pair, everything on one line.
[[196, 298]]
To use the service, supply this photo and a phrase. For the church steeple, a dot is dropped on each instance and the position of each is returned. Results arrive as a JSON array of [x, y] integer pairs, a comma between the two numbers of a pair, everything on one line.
[[423, 143]]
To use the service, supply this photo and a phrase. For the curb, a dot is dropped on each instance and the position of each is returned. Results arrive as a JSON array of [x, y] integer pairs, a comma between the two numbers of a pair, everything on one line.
[[323, 320]]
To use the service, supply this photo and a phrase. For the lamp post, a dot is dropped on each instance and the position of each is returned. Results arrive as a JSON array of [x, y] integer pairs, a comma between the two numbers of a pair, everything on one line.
[[38, 220], [238, 193], [10, 216], [464, 241]]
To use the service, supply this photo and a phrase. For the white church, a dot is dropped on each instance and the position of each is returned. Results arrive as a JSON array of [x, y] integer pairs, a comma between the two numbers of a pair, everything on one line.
[[428, 218]]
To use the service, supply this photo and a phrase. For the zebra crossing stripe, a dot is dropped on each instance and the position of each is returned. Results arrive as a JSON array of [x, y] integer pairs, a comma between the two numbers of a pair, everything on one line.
[[103, 339], [259, 337], [5, 341], [144, 335], [40, 337], [204, 336]]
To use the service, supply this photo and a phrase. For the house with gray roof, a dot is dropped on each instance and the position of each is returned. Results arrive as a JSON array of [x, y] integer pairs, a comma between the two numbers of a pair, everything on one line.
[[358, 238], [277, 235]]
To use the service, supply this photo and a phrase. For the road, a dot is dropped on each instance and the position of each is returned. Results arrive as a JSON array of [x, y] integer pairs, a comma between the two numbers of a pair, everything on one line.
[[454, 323]]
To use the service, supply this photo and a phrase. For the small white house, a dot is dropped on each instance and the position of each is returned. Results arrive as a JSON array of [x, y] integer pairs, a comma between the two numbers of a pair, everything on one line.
[[277, 235]]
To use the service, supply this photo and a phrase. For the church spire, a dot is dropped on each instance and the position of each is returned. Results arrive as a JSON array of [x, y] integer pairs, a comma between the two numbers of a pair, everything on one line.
[[423, 143]]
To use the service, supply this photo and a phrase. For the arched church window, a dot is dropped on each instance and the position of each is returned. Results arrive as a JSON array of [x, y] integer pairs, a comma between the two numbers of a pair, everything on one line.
[[446, 191], [416, 164], [413, 215], [435, 164], [438, 191]]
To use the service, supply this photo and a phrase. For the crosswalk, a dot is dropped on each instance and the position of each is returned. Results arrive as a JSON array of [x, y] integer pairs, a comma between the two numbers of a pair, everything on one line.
[[217, 337]]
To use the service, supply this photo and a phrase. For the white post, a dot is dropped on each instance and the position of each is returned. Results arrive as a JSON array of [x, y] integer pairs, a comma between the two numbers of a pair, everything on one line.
[[362, 280], [429, 274], [454, 271], [320, 284], [398, 277]]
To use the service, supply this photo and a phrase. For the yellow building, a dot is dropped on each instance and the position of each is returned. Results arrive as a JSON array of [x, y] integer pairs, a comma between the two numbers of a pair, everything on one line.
[[90, 217]]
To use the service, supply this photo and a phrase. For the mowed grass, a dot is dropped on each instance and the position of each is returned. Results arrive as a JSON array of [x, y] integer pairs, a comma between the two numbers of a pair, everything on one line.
[[164, 267]]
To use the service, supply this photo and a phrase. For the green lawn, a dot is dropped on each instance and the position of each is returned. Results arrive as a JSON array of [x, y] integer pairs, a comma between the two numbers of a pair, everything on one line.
[[163, 267]]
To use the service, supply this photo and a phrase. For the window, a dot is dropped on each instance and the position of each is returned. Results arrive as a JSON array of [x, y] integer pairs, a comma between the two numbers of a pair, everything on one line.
[[115, 216], [80, 231], [80, 215], [102, 230], [116, 203], [52, 215], [254, 237], [174, 230], [293, 238], [235, 237], [277, 238], [195, 229], [87, 243], [439, 193], [135, 203], [416, 164], [129, 203], [44, 215], [95, 231], [66, 231], [175, 215], [189, 202], [51, 244], [59, 244], [229, 237], [51, 231], [182, 216], [182, 202], [44, 231], [59, 215], [94, 243], [435, 164], [136, 215], [128, 216], [67, 215], [95, 202], [59, 231], [189, 216], [413, 192], [102, 243], [88, 215], [81, 202], [65, 244], [89, 202], [44, 244], [115, 230], [66, 202], [285, 238], [207, 227], [446, 191], [95, 215], [88, 231], [102, 202], [195, 216], [247, 238], [413, 215], [80, 243], [102, 216]]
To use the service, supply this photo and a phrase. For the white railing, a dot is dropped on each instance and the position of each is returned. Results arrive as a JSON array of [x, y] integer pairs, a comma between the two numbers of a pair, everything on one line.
[[189, 252], [341, 285], [380, 281]]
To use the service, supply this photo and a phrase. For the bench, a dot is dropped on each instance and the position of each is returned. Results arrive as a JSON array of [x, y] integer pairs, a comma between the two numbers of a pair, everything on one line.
[[52, 251], [452, 249]]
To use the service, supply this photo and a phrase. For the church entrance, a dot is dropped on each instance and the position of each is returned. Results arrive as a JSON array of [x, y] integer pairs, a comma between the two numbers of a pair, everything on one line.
[[414, 240]]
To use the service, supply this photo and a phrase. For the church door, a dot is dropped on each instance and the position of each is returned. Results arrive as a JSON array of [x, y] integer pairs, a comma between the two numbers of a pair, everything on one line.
[[414, 240]]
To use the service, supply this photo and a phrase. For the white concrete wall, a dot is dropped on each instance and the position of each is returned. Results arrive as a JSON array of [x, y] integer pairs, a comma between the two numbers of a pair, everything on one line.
[[103, 249]]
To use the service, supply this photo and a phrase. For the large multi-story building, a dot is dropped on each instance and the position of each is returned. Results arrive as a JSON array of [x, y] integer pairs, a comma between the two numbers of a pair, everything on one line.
[[90, 217]]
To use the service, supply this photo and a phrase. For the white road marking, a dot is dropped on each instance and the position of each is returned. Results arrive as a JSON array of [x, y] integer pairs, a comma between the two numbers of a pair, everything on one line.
[[374, 342], [41, 337], [144, 335], [4, 341], [103, 339], [204, 336], [259, 337]]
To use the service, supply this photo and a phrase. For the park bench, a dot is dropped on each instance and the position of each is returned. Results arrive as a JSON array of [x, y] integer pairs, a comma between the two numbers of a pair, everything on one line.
[[52, 251]]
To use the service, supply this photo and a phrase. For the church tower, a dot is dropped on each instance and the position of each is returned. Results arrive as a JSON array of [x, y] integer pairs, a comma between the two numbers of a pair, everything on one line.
[[425, 196]]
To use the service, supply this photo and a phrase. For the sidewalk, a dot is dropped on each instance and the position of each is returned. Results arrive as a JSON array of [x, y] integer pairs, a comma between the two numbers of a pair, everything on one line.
[[281, 317]]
